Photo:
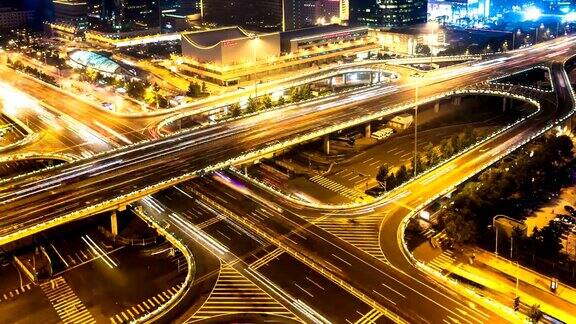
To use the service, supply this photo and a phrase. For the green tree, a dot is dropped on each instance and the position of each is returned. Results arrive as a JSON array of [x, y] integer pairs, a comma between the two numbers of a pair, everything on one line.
[[235, 110], [306, 92], [194, 90], [459, 229], [281, 101], [253, 105], [534, 313], [267, 101], [391, 181], [423, 49], [295, 94], [204, 88], [447, 149], [402, 175], [382, 175]]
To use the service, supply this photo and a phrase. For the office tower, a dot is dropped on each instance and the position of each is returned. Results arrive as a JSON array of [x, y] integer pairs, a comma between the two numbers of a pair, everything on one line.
[[129, 14], [392, 13], [253, 14]]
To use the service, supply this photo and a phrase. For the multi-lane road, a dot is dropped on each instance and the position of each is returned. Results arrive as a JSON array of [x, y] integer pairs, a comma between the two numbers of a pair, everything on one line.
[[34, 200], [388, 277], [392, 281]]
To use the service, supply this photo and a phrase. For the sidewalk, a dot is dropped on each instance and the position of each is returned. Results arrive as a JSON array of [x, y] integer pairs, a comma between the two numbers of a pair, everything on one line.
[[527, 276], [496, 278]]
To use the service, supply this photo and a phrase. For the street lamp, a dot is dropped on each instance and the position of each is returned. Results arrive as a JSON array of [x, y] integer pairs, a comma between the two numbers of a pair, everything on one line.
[[514, 38], [496, 230], [538, 28], [416, 129]]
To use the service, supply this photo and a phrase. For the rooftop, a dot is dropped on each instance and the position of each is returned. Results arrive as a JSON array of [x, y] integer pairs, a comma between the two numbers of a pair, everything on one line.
[[95, 61], [317, 30], [210, 38]]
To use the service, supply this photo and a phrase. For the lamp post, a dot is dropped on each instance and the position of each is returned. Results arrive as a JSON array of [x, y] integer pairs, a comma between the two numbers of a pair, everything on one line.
[[416, 130], [514, 38], [496, 230], [538, 28]]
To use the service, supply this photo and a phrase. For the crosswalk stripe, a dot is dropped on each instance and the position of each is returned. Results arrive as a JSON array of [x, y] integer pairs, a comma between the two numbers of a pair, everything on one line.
[[336, 187], [65, 302], [234, 293]]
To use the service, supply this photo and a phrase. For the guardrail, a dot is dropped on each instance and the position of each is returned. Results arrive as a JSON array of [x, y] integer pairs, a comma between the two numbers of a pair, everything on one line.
[[157, 314], [300, 201], [253, 154], [176, 117], [402, 228], [303, 258]]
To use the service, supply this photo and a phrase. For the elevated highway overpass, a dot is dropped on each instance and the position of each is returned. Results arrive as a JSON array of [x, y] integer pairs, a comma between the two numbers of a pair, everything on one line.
[[110, 180]]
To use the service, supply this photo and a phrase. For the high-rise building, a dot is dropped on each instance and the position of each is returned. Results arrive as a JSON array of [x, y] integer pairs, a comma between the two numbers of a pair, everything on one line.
[[253, 14], [26, 13], [392, 13], [128, 14], [73, 11], [274, 14], [299, 13]]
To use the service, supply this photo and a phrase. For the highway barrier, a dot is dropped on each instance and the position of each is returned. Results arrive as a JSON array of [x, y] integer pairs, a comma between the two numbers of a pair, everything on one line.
[[390, 194], [169, 305], [454, 284], [303, 258]]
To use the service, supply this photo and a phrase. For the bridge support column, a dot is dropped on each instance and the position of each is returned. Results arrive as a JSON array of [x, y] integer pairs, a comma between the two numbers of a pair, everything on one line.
[[504, 104], [437, 106], [371, 77], [368, 130], [114, 223], [326, 144], [457, 101]]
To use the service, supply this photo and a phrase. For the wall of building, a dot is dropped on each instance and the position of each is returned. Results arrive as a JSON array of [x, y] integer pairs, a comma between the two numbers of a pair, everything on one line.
[[10, 18], [246, 50], [253, 14]]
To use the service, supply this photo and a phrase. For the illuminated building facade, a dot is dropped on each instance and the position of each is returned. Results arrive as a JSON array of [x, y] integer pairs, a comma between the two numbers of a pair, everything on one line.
[[453, 11], [274, 15], [230, 55], [390, 13], [129, 15], [252, 14]]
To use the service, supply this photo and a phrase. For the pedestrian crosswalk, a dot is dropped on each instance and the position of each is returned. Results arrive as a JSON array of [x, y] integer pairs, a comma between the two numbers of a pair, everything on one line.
[[144, 307], [362, 233], [444, 261], [234, 293], [16, 292], [67, 305], [337, 188], [370, 317]]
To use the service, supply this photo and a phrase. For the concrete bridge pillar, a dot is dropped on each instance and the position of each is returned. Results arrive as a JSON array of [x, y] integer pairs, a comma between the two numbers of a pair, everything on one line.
[[114, 223], [368, 130], [504, 104], [457, 101], [326, 144], [437, 106]]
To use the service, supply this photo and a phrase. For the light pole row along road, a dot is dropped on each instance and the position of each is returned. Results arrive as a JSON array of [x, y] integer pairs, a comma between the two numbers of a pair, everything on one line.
[[32, 200]]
